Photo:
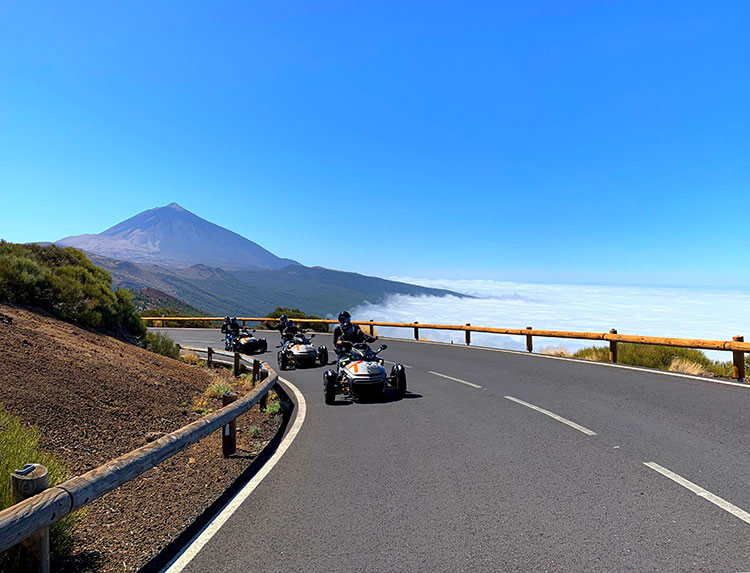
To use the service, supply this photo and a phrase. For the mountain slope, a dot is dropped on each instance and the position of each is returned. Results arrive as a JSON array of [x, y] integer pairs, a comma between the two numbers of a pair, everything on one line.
[[174, 237], [219, 292]]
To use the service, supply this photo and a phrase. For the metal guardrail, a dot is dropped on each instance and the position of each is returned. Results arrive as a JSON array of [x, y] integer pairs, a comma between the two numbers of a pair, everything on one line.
[[737, 345], [22, 520]]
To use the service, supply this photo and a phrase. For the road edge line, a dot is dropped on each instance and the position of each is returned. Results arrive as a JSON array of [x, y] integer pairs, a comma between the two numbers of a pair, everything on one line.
[[188, 553]]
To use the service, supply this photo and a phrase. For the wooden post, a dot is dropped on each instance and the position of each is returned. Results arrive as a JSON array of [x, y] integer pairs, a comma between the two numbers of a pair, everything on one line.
[[264, 399], [416, 331], [372, 328], [529, 343], [738, 360], [256, 371], [236, 368], [34, 550], [210, 357], [244, 323], [468, 335], [229, 433], [613, 348]]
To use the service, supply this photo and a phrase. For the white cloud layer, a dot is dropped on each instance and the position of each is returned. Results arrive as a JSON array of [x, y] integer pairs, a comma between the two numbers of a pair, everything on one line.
[[676, 312]]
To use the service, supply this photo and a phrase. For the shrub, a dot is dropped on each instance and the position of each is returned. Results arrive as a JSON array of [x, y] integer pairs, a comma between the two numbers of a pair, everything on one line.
[[686, 366], [555, 351], [192, 359], [19, 445], [161, 344], [63, 282], [218, 389], [293, 313]]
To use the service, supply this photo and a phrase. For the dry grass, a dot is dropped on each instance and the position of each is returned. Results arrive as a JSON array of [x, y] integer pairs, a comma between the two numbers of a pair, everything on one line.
[[555, 351], [192, 359], [686, 366]]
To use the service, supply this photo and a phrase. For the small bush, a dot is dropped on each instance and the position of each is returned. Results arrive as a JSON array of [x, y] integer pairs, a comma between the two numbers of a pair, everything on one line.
[[555, 351], [253, 430], [201, 405], [686, 366], [596, 353], [293, 313], [161, 344], [192, 359], [19, 445], [218, 389]]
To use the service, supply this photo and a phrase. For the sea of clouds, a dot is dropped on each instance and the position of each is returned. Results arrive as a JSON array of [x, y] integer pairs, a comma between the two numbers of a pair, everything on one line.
[[649, 311]]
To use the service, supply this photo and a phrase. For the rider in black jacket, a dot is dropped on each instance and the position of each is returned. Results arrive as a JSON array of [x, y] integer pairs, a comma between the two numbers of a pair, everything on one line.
[[347, 334], [286, 328]]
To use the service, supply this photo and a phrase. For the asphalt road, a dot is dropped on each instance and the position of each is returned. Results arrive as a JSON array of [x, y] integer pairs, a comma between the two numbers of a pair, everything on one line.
[[471, 476]]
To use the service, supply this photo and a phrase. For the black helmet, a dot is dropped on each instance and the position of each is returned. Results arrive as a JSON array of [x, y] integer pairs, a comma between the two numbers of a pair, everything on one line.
[[283, 319], [345, 317]]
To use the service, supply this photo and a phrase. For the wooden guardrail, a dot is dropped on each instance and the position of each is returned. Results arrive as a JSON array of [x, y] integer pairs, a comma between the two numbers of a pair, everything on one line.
[[24, 519], [737, 345]]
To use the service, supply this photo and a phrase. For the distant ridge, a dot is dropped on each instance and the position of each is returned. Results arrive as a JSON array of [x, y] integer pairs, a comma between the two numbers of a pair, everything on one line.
[[173, 237]]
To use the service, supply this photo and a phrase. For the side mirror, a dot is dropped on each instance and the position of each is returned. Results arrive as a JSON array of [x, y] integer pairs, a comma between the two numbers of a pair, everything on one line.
[[312, 336], [383, 347]]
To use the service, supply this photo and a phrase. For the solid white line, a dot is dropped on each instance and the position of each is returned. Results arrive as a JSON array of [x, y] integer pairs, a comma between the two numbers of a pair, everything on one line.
[[554, 416], [454, 379], [699, 491], [205, 535], [404, 365]]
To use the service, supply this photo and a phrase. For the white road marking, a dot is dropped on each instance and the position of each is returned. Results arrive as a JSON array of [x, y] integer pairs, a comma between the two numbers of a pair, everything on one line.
[[700, 492], [455, 379], [205, 535], [554, 416]]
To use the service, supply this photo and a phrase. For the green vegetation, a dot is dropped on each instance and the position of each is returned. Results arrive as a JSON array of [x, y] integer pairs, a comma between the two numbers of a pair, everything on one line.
[[294, 313], [153, 302], [66, 284], [161, 344], [686, 360], [218, 389], [19, 445]]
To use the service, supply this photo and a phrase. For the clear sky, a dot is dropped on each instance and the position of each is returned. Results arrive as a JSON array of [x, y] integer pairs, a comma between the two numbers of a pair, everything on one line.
[[600, 142]]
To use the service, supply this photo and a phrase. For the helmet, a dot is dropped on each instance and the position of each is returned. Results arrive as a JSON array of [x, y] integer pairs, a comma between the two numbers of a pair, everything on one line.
[[283, 319], [345, 317]]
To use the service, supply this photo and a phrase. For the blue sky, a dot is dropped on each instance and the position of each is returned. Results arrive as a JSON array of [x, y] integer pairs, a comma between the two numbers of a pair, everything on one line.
[[595, 142]]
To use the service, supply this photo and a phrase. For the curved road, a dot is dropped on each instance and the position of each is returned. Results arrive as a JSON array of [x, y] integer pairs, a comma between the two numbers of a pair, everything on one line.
[[501, 461]]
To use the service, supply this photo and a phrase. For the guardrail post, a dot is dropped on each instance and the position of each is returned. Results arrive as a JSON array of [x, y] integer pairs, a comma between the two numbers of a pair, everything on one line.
[[262, 375], [236, 369], [34, 550], [229, 433], [256, 371], [613, 348], [416, 331], [529, 343], [209, 357], [468, 335], [738, 359], [372, 328]]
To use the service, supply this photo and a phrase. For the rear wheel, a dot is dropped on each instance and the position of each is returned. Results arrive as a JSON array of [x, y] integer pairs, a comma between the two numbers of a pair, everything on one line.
[[263, 346], [329, 386], [323, 355]]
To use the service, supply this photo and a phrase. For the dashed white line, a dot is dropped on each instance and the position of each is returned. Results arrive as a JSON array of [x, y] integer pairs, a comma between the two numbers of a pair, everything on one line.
[[700, 492], [454, 379], [554, 416], [192, 549]]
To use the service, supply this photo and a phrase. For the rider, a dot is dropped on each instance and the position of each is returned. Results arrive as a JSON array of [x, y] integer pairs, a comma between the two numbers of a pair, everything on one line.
[[287, 329], [346, 334]]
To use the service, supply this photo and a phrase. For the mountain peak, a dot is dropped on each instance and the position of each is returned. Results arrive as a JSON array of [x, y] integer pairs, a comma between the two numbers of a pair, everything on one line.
[[172, 236]]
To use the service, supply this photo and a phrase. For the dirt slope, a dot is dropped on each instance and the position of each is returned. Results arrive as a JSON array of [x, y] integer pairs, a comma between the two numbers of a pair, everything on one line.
[[94, 398]]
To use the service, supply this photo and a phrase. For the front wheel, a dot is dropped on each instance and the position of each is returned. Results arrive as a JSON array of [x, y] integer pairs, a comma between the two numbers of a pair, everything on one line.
[[329, 386], [399, 374], [283, 361], [323, 355], [263, 346]]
